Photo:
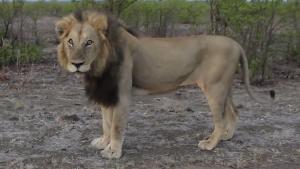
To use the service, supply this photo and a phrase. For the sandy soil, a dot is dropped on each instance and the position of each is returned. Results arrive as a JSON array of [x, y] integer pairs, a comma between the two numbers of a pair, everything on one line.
[[47, 122]]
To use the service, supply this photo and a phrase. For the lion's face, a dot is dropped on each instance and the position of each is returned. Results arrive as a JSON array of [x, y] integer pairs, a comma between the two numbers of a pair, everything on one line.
[[81, 48], [82, 43]]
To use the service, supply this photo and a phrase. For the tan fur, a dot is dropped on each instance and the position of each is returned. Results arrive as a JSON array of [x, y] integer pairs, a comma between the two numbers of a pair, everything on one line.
[[155, 65]]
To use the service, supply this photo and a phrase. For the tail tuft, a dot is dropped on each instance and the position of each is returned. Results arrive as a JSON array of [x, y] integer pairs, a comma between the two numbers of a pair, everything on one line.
[[272, 94]]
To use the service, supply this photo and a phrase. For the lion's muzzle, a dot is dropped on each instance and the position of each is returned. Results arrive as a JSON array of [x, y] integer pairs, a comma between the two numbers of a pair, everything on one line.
[[78, 67]]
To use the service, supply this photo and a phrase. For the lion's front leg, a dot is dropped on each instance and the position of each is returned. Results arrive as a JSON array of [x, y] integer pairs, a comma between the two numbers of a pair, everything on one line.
[[104, 140], [119, 122]]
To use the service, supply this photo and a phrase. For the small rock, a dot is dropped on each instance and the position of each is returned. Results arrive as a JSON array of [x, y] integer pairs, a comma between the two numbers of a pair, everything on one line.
[[30, 166], [3, 77], [18, 104], [72, 117], [240, 106], [178, 94], [130, 163], [13, 119], [239, 141], [188, 109]]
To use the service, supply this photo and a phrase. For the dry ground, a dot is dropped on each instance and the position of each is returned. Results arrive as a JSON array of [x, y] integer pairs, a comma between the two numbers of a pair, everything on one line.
[[47, 122]]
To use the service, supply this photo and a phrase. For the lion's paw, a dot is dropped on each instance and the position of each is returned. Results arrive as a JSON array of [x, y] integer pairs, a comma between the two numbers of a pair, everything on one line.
[[99, 143], [228, 134], [109, 153], [206, 145]]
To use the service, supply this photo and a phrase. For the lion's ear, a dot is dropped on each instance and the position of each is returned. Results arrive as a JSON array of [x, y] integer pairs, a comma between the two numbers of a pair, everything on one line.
[[59, 30], [63, 26]]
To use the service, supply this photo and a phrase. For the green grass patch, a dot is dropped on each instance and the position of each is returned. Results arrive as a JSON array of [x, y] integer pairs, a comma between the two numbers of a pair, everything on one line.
[[20, 54]]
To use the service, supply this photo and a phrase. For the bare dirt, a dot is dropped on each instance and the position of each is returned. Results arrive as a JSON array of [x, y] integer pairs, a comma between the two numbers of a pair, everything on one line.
[[46, 122]]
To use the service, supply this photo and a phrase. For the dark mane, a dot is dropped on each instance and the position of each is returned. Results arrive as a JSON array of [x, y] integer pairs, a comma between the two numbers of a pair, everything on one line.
[[78, 15], [104, 88], [114, 24]]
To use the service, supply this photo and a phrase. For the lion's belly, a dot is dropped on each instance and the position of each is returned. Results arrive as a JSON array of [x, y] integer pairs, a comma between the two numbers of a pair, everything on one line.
[[163, 75], [161, 65], [156, 84]]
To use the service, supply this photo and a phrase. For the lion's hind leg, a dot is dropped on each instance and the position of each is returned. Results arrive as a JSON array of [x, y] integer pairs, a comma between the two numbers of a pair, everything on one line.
[[216, 95], [231, 117]]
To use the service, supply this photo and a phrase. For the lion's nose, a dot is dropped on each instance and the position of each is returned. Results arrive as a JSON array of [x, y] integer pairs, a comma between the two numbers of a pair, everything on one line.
[[77, 65]]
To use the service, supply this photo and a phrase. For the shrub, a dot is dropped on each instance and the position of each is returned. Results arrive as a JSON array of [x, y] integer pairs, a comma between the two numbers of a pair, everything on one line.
[[20, 54]]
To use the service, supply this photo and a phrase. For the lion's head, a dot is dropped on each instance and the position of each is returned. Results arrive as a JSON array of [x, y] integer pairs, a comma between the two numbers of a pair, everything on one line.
[[82, 40]]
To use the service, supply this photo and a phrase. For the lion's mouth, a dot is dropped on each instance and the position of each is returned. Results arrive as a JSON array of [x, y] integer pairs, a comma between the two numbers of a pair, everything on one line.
[[79, 72]]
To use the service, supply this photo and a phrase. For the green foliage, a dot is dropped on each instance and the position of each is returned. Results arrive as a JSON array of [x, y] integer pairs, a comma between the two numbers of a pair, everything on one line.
[[268, 30], [5, 9], [156, 16], [182, 11], [36, 9], [6, 15], [20, 54], [57, 8], [193, 12], [291, 35], [256, 25]]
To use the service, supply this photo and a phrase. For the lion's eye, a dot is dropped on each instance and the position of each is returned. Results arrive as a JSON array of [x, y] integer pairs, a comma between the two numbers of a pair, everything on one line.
[[89, 42], [70, 41]]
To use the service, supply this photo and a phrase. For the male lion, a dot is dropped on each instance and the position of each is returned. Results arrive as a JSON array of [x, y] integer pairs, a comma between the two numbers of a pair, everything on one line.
[[115, 62]]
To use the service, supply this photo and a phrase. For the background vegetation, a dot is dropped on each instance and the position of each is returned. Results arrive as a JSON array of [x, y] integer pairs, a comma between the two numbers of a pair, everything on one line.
[[269, 30]]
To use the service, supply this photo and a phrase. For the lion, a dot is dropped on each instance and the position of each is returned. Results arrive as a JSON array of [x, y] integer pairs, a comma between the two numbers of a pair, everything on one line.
[[117, 63]]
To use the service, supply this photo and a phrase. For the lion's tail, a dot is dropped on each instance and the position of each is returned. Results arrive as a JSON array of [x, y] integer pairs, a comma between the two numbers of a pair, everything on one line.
[[246, 77]]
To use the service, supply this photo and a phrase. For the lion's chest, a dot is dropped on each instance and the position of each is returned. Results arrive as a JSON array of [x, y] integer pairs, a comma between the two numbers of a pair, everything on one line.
[[103, 89]]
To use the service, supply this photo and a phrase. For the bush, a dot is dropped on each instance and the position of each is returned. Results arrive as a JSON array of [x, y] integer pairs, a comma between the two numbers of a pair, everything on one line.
[[20, 54], [257, 26], [158, 18]]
